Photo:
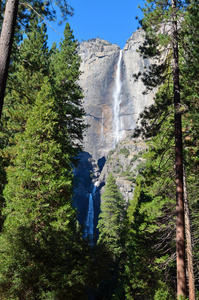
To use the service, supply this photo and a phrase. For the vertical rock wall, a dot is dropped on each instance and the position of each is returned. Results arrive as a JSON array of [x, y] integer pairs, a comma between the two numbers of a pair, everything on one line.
[[99, 60], [99, 66]]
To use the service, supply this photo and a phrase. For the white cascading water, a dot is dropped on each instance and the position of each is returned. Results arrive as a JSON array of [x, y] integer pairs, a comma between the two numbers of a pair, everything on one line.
[[117, 126], [89, 224]]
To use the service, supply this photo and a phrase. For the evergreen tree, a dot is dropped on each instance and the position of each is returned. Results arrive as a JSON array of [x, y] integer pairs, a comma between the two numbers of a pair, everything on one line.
[[12, 11], [159, 178], [142, 276], [27, 76], [25, 80], [111, 236], [41, 250], [147, 269], [65, 66], [164, 22], [111, 218], [42, 254]]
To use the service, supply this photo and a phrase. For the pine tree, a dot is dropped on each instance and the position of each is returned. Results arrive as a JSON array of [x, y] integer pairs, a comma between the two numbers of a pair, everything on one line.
[[6, 41], [111, 218], [42, 254], [159, 176], [26, 77], [41, 249], [111, 236], [65, 66], [12, 10], [162, 23], [142, 276]]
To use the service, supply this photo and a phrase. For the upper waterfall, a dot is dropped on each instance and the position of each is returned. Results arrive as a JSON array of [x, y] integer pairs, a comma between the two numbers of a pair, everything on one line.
[[117, 123], [113, 99]]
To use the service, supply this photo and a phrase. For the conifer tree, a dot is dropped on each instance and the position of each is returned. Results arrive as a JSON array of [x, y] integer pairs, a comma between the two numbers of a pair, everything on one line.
[[25, 82], [111, 236], [142, 276], [162, 21], [30, 66], [158, 176], [27, 76], [41, 248], [65, 70], [9, 24], [111, 218], [41, 223]]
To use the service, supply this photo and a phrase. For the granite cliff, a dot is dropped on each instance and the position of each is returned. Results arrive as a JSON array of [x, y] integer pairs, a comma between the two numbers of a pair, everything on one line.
[[113, 101], [98, 80]]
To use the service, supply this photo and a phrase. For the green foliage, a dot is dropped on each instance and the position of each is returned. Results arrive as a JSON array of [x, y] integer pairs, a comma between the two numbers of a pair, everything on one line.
[[40, 233], [25, 80], [111, 218], [110, 152], [65, 63], [135, 157], [138, 280], [182, 298], [162, 292], [142, 271], [124, 151], [111, 227], [125, 173], [158, 123], [44, 10], [41, 244]]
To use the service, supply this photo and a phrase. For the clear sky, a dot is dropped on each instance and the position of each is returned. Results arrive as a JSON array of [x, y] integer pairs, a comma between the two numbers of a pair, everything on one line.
[[112, 20]]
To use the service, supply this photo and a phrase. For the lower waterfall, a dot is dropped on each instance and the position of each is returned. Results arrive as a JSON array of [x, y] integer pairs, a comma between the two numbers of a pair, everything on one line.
[[89, 224]]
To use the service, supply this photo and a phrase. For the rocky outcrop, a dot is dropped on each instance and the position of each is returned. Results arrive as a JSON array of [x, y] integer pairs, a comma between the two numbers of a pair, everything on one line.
[[124, 162]]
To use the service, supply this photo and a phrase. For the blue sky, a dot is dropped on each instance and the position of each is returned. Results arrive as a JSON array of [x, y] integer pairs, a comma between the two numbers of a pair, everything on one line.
[[112, 20]]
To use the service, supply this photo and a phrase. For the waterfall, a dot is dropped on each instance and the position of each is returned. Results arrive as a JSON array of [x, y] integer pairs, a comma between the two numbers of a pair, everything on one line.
[[117, 125], [89, 224]]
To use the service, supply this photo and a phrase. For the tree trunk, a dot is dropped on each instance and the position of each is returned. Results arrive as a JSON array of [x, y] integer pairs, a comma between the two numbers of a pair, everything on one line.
[[180, 228], [191, 280], [6, 41]]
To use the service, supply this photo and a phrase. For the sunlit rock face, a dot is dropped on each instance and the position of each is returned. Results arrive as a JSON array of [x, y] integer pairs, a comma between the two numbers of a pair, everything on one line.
[[99, 61], [113, 101], [133, 99], [99, 81]]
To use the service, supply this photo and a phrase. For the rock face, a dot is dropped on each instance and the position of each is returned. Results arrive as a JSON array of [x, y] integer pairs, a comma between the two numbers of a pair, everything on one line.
[[99, 61], [98, 80], [113, 101]]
